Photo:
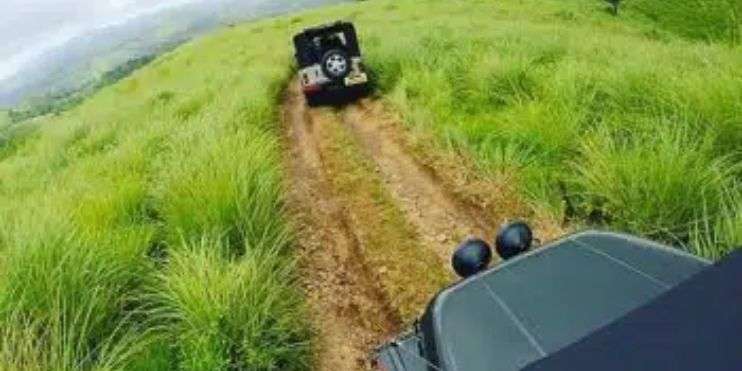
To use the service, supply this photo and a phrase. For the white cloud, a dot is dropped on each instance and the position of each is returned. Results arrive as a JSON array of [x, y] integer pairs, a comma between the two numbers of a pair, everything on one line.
[[30, 28], [11, 65]]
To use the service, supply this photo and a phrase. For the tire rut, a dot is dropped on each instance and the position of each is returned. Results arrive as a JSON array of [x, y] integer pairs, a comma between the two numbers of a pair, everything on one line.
[[376, 227], [347, 306], [441, 219]]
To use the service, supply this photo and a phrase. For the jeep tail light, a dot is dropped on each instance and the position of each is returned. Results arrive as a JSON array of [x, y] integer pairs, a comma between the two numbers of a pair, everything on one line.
[[313, 88]]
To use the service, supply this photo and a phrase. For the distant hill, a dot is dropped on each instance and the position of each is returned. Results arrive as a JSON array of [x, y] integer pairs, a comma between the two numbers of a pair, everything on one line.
[[4, 124], [83, 60], [58, 101]]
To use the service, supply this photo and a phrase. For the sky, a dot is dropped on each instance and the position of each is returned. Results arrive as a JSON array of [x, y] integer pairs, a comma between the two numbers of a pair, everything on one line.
[[53, 46], [28, 28]]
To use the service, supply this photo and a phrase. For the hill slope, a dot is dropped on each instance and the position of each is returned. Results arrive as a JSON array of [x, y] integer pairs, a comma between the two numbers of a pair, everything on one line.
[[712, 20], [145, 229]]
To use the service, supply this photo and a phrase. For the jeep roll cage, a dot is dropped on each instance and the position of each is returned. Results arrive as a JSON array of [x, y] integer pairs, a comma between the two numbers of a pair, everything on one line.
[[311, 42]]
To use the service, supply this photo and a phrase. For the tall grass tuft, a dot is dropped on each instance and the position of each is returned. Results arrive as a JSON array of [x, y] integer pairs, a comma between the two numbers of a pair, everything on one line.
[[233, 314], [716, 235], [659, 185], [63, 300], [232, 178]]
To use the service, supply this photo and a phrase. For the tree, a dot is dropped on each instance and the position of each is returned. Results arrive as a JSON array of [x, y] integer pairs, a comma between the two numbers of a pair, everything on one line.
[[614, 5]]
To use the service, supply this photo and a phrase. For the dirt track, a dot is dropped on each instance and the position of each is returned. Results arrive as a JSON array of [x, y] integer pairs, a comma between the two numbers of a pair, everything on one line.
[[440, 219], [347, 306], [376, 227]]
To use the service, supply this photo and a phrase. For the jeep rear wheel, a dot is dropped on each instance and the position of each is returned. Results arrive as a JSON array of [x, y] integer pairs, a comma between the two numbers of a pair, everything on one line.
[[336, 64]]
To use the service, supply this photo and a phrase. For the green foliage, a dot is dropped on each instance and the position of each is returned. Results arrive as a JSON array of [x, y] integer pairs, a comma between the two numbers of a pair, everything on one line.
[[656, 185], [58, 102], [719, 234], [713, 20], [63, 294], [123, 216], [236, 314], [637, 132]]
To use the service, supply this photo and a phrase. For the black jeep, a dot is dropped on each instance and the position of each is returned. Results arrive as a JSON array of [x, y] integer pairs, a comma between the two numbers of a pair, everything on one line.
[[590, 301], [330, 66]]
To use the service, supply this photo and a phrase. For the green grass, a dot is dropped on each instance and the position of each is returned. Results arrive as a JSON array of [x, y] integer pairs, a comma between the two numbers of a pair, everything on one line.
[[709, 20], [642, 128], [143, 230], [242, 308], [653, 185]]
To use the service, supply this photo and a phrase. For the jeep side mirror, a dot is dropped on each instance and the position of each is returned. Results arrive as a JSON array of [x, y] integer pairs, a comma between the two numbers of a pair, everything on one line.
[[513, 239], [471, 257]]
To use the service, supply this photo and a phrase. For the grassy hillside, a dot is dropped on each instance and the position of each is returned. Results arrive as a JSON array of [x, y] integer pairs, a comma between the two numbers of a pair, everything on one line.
[[144, 230], [5, 129], [712, 20], [599, 120], [54, 103]]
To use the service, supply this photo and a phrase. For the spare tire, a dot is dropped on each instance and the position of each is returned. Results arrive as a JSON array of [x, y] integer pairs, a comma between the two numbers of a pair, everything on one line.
[[336, 64]]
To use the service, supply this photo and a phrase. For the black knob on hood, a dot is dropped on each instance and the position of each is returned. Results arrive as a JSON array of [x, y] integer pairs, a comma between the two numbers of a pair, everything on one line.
[[471, 257], [513, 239]]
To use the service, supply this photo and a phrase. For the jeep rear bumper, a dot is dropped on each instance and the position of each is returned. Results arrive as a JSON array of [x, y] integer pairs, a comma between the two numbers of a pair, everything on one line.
[[313, 79], [349, 82]]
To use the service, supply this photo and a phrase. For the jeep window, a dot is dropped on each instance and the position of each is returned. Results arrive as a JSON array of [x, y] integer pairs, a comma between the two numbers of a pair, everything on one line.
[[336, 40]]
